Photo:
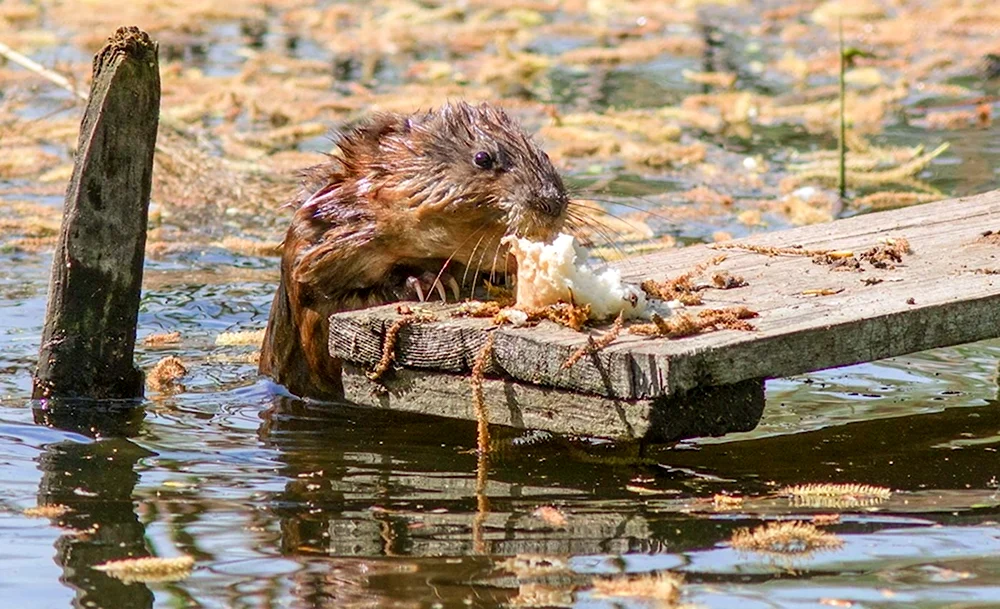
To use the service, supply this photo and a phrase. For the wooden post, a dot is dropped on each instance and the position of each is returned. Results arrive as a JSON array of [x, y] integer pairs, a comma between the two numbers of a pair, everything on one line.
[[89, 335]]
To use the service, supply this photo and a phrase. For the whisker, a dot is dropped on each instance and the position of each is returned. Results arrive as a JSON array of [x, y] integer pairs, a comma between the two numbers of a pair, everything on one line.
[[581, 203], [575, 211], [580, 206], [455, 251], [468, 265], [595, 194], [598, 230], [493, 267], [578, 202], [479, 266], [506, 271]]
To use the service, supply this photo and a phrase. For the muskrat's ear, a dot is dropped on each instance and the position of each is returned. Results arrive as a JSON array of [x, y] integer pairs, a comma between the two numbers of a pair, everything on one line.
[[370, 131]]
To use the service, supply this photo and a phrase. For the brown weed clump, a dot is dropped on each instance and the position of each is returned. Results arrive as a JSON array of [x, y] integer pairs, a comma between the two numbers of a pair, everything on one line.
[[478, 398], [769, 250], [594, 345], [892, 199], [848, 495], [663, 586], [150, 569], [682, 287], [888, 254], [726, 502], [475, 308], [392, 337], [788, 537], [162, 338], [687, 324], [243, 338], [165, 374], [46, 511], [565, 314]]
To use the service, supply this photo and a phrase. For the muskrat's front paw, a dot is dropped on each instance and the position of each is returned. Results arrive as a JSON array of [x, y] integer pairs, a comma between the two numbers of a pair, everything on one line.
[[429, 284]]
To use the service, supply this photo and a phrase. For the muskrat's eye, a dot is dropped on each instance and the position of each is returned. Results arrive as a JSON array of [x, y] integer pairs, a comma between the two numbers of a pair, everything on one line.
[[483, 160]]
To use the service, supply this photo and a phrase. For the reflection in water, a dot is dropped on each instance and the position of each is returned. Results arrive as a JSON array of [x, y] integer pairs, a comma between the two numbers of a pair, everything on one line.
[[935, 450], [383, 486], [335, 506], [96, 482]]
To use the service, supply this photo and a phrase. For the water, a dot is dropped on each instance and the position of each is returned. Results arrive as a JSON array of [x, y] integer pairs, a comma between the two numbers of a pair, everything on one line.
[[286, 504]]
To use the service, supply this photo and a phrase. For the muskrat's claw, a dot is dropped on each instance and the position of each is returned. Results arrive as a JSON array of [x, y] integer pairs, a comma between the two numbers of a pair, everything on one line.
[[413, 286], [440, 290], [423, 286], [455, 290]]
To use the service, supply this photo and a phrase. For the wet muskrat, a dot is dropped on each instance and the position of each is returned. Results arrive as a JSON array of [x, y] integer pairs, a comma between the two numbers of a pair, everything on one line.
[[403, 204]]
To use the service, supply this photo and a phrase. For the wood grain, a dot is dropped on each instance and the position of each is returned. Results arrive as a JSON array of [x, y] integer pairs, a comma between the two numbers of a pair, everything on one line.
[[709, 411]]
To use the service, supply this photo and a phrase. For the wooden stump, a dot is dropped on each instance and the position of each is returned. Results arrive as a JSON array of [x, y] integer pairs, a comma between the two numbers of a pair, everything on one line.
[[89, 335]]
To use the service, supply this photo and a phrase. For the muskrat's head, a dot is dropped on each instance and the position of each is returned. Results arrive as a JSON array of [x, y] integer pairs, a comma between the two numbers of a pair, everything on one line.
[[473, 164]]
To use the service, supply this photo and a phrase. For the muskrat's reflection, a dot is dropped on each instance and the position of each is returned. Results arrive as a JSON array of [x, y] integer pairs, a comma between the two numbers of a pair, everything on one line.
[[96, 481]]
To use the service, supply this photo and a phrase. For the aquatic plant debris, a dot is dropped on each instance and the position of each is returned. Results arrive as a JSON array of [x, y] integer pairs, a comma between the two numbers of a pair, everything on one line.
[[727, 502], [840, 490], [887, 254], [788, 537], [687, 324], [594, 345], [770, 250], [392, 336], [476, 381], [682, 288], [662, 586], [161, 339], [900, 174], [835, 496], [241, 338], [891, 199], [149, 570], [165, 373], [883, 255], [46, 511]]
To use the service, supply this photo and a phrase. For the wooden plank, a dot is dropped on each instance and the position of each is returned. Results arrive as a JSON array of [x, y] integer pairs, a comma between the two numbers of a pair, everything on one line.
[[934, 298], [93, 304], [704, 412]]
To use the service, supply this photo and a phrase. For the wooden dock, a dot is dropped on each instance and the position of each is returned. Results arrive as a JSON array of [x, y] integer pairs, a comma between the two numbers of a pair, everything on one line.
[[812, 316]]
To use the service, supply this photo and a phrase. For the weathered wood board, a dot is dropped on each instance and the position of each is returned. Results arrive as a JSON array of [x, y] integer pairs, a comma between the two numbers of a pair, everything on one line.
[[709, 412], [943, 293]]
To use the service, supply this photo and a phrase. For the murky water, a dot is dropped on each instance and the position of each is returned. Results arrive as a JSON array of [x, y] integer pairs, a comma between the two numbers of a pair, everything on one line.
[[286, 504]]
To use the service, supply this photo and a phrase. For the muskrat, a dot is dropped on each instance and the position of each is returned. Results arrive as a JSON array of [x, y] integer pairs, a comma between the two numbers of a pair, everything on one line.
[[402, 201]]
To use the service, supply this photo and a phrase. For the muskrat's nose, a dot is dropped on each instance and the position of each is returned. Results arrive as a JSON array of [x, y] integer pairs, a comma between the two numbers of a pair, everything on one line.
[[552, 200], [553, 206]]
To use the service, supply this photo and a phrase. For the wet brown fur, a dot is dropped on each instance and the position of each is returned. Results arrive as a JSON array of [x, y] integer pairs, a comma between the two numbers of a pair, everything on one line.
[[400, 196]]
